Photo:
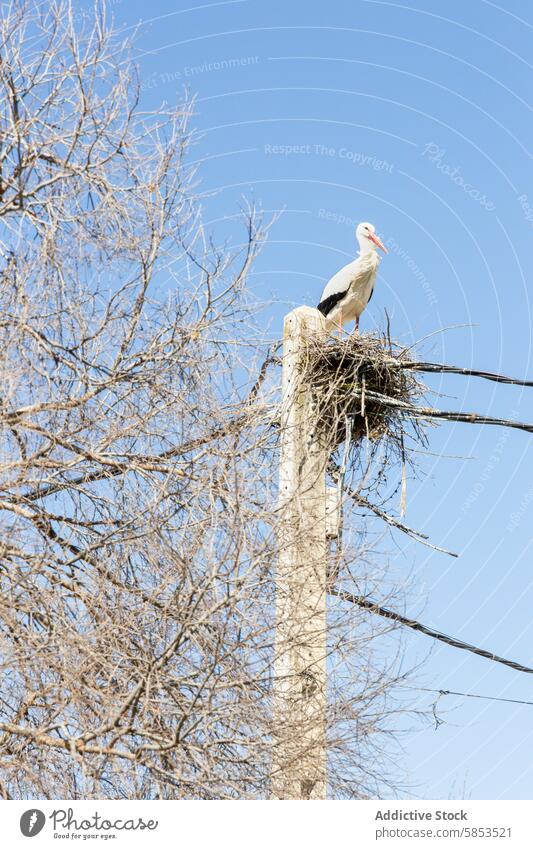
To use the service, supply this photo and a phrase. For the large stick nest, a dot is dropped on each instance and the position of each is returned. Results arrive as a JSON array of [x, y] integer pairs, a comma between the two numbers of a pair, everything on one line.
[[362, 378]]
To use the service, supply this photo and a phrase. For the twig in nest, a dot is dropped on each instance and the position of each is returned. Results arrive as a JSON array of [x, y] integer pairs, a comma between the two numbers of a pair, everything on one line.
[[347, 374]]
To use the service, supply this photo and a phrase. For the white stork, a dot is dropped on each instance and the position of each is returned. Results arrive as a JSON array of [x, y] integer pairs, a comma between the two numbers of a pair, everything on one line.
[[350, 289]]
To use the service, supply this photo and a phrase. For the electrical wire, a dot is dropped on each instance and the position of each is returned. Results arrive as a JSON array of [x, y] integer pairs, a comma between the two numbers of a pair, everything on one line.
[[373, 607], [475, 696]]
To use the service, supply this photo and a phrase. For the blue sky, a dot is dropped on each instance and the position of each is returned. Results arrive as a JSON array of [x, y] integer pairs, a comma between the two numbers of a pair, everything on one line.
[[416, 118]]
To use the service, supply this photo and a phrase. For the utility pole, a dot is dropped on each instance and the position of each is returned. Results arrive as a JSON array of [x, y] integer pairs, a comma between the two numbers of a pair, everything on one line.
[[300, 692]]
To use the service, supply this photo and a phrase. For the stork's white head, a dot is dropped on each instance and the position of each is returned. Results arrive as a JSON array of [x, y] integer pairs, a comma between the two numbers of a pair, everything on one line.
[[368, 241]]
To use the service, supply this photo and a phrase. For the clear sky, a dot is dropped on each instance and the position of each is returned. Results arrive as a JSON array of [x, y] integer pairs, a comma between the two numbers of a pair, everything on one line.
[[416, 117]]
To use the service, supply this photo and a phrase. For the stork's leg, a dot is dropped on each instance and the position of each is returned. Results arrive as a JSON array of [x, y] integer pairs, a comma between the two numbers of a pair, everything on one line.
[[340, 323], [357, 326]]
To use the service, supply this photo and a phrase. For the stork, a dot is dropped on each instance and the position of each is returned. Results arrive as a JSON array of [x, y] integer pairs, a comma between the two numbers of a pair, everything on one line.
[[350, 289]]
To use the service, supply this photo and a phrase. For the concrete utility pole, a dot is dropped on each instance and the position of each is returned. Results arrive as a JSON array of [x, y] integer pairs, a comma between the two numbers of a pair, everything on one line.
[[299, 758]]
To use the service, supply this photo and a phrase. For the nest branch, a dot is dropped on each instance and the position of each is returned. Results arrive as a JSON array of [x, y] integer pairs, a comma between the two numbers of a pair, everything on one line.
[[349, 375], [400, 526], [361, 501]]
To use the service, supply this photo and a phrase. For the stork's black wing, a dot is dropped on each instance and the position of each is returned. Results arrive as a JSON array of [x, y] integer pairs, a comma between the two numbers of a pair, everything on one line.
[[328, 303]]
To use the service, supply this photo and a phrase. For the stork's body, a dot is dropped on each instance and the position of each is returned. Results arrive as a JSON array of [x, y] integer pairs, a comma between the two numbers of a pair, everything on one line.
[[348, 292]]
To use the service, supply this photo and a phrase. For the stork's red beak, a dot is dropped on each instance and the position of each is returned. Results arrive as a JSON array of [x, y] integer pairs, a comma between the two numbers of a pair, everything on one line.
[[377, 241]]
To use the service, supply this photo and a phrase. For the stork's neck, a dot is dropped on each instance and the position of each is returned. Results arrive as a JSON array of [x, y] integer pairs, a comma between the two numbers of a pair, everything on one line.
[[369, 256], [366, 247]]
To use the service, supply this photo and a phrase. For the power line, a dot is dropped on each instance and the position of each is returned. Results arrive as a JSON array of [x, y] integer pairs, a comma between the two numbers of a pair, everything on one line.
[[475, 696], [446, 369], [372, 606]]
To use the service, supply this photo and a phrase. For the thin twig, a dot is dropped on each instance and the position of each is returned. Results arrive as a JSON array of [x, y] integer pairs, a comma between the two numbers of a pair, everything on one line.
[[390, 520]]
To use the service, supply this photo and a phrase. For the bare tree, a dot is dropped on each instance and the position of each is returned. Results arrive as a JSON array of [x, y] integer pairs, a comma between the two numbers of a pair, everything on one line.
[[138, 456]]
